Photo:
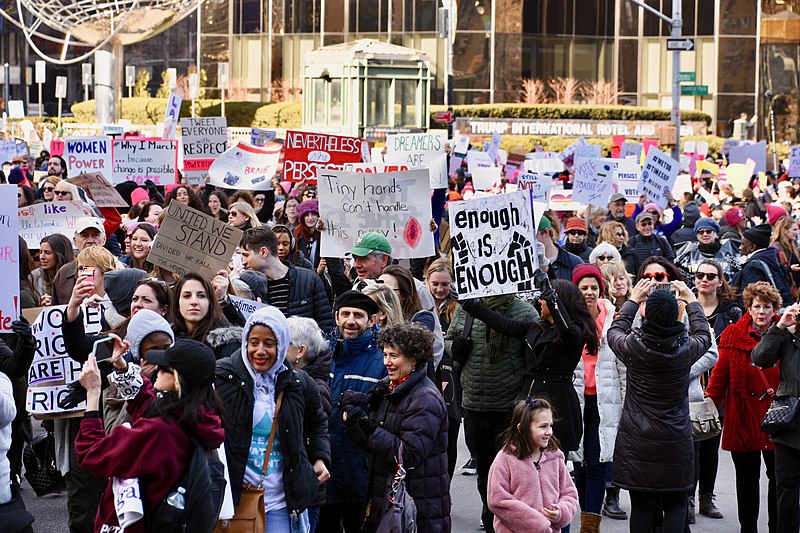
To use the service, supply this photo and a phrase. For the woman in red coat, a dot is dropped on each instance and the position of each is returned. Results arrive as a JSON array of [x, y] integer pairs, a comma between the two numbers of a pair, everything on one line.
[[744, 387]]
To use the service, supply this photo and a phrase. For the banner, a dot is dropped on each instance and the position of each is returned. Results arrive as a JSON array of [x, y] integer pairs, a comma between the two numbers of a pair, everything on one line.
[[494, 245], [484, 178], [658, 176], [9, 257], [202, 141], [396, 204], [246, 306], [87, 154], [307, 153], [420, 150], [246, 167], [99, 189], [40, 220], [52, 369], [794, 162], [145, 159], [373, 168], [592, 185]]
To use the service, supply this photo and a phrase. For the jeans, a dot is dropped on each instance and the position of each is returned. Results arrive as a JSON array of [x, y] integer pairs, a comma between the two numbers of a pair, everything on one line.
[[83, 498], [313, 518], [279, 521], [590, 477], [748, 499], [643, 507], [787, 483]]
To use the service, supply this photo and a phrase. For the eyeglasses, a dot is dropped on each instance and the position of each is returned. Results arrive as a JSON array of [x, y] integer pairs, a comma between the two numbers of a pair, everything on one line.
[[61, 193], [657, 276], [618, 234], [259, 200], [605, 257], [710, 276], [704, 231]]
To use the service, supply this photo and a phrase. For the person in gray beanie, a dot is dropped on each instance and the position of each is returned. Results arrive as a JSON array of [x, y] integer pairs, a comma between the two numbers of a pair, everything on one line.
[[708, 246]]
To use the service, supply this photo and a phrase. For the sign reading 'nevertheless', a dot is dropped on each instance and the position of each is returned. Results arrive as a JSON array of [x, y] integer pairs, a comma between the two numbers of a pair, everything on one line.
[[308, 153]]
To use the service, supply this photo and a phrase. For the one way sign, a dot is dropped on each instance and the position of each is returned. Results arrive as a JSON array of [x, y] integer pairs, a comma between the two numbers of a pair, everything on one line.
[[683, 44]]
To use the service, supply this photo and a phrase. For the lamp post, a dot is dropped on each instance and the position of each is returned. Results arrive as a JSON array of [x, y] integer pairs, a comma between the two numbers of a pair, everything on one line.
[[771, 97], [40, 80]]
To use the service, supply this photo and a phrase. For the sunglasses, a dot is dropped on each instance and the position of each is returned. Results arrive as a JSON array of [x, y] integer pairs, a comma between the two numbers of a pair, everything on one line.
[[619, 234], [576, 233], [705, 231], [657, 276], [710, 276], [49, 189], [646, 223], [605, 257], [61, 193]]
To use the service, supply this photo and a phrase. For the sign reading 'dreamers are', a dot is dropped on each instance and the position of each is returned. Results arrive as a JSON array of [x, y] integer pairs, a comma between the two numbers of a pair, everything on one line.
[[307, 153], [191, 241], [420, 150], [145, 159]]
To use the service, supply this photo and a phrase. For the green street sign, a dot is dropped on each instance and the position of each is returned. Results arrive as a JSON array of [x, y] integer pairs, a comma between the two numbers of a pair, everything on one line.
[[687, 76], [694, 90]]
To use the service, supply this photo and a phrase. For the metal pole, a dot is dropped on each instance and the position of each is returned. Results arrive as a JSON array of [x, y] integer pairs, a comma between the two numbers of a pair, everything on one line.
[[491, 55], [197, 44], [40, 98], [59, 112], [7, 86], [269, 55], [772, 130], [675, 115]]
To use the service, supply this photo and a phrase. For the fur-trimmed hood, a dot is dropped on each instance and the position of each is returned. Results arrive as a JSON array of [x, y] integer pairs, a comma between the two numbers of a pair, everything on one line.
[[223, 335]]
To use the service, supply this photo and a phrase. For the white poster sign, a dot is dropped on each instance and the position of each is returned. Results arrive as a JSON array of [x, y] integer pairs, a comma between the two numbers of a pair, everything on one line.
[[396, 204], [87, 154], [9, 257], [592, 185], [626, 179], [40, 220], [145, 159], [658, 176], [629, 149], [171, 114], [246, 167], [757, 152], [484, 178], [794, 162], [203, 140], [420, 150], [260, 137], [478, 159]]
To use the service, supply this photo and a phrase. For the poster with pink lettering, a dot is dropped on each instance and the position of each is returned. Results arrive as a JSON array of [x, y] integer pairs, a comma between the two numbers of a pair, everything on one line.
[[308, 151], [9, 257]]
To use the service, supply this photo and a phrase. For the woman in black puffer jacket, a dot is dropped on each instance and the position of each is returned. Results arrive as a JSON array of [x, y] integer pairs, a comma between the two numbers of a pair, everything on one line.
[[406, 408]]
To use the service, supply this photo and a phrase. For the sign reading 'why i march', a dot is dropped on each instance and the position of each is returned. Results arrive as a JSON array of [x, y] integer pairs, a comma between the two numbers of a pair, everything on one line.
[[191, 241], [145, 159]]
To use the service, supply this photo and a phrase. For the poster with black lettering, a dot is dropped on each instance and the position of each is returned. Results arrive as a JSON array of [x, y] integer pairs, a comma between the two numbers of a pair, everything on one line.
[[140, 160], [191, 241], [494, 244], [203, 140], [658, 176], [625, 179], [592, 184], [395, 204], [246, 167], [87, 154], [420, 150], [307, 153], [52, 369]]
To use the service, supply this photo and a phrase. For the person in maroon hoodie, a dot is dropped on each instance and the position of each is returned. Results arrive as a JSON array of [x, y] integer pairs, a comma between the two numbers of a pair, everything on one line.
[[156, 449]]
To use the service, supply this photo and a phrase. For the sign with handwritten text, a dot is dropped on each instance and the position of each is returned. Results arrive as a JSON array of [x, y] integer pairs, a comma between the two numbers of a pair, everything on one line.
[[420, 150], [40, 220], [592, 184], [145, 159], [203, 140], [9, 257], [87, 154]]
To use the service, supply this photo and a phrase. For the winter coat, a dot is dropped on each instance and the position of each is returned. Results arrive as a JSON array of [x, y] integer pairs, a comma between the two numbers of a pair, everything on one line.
[[782, 345], [739, 384], [682, 236], [307, 297], [763, 265], [414, 414], [163, 446], [357, 366], [582, 250], [491, 384], [8, 413], [644, 247], [63, 283], [517, 491], [561, 267], [320, 371], [224, 340], [654, 451], [665, 230], [610, 375], [732, 234], [725, 314], [693, 253]]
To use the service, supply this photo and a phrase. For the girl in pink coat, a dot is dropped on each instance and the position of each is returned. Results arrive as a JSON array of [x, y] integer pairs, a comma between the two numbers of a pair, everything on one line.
[[530, 489]]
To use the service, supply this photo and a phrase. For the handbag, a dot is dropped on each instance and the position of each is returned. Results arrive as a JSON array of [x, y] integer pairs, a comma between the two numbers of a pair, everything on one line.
[[249, 516], [41, 471], [782, 412], [401, 517], [705, 419]]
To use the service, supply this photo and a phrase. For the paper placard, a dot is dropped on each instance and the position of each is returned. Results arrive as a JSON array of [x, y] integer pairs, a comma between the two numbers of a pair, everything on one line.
[[539, 184], [99, 189], [40, 220], [630, 149], [396, 204], [462, 146], [738, 175], [191, 241], [420, 150], [52, 369], [171, 114], [625, 179], [794, 162], [494, 244], [478, 159], [261, 137], [592, 185], [484, 178], [202, 141], [544, 165], [373, 168], [9, 257], [658, 176], [246, 167], [145, 159], [245, 306], [307, 153], [56, 147], [87, 154], [494, 146], [11, 148], [757, 152]]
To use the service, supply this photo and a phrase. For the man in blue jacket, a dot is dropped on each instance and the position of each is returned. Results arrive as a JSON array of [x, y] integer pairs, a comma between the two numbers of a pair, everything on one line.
[[357, 367]]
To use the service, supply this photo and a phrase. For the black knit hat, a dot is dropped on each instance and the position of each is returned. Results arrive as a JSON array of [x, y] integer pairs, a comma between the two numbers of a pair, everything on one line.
[[194, 361], [758, 235], [120, 286], [662, 308], [357, 300]]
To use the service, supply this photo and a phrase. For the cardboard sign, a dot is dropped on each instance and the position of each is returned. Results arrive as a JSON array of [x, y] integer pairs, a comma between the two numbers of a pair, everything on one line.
[[9, 257], [739, 175], [494, 245], [794, 162], [87, 154], [202, 140], [592, 185], [145, 159], [52, 369], [658, 176], [40, 220], [191, 241], [484, 178], [246, 167], [99, 190], [262, 137], [396, 204], [307, 153], [757, 152], [420, 150], [625, 179]]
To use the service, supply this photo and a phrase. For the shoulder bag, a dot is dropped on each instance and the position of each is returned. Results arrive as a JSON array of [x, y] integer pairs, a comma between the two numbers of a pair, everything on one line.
[[782, 413], [705, 419], [401, 517], [249, 516]]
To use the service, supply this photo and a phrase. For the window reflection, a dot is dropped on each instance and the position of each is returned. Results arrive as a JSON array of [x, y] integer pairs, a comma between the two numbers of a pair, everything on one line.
[[378, 102], [405, 102]]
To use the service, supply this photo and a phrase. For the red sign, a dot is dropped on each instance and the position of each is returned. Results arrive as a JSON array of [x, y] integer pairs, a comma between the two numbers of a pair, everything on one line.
[[57, 147], [306, 151], [443, 117]]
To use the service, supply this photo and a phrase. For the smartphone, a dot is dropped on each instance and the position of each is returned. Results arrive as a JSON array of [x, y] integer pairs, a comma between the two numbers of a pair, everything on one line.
[[103, 349], [666, 286], [87, 273]]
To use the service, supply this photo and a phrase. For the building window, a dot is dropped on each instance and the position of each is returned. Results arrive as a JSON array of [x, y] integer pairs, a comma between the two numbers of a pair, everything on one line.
[[405, 103], [378, 102]]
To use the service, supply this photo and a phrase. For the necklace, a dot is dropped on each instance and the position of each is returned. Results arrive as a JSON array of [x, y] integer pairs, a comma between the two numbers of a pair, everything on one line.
[[536, 464]]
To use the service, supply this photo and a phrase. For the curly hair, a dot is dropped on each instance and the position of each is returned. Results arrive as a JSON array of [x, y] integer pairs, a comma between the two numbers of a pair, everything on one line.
[[194, 201], [411, 340], [608, 231], [764, 292]]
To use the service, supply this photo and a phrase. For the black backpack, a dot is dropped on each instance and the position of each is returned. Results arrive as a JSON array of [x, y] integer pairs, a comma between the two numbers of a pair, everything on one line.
[[204, 485]]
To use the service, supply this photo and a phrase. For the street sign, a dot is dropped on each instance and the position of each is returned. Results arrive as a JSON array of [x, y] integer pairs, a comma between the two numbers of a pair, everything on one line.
[[61, 86], [443, 117], [687, 76], [694, 90], [681, 44]]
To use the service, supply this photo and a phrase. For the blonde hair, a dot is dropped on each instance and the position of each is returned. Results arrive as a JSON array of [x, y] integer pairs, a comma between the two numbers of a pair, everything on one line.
[[387, 301], [248, 211], [611, 271], [784, 241], [608, 232], [443, 265], [98, 257]]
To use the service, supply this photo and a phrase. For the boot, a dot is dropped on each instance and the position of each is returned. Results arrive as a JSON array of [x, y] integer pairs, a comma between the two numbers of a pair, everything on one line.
[[590, 523], [690, 510], [611, 506], [707, 507]]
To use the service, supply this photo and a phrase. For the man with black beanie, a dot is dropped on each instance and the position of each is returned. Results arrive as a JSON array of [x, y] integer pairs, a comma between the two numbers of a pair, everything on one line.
[[761, 263]]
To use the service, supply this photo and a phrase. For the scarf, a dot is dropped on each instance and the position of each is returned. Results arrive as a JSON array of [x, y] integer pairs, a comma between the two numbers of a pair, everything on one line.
[[740, 340], [495, 343]]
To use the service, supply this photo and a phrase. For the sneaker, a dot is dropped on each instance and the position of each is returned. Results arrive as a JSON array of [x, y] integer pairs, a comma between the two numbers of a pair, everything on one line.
[[470, 468]]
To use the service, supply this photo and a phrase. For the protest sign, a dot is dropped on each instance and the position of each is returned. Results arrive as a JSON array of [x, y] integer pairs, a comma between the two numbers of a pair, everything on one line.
[[658, 176], [794, 162], [592, 183], [203, 140], [707, 166], [87, 154], [246, 306], [261, 137], [484, 178], [738, 175], [682, 184], [539, 185], [246, 167], [420, 150], [757, 152], [462, 146], [11, 148], [56, 147], [9, 257], [395, 204], [191, 241], [561, 199], [494, 146], [99, 189], [373, 168], [544, 165], [579, 148], [625, 179], [52, 369], [366, 154], [478, 159], [171, 114], [37, 221], [494, 244], [307, 153], [145, 159]]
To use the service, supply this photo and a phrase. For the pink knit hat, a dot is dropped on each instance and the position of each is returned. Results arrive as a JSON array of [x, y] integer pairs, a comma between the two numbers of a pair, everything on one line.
[[653, 206], [775, 212], [138, 195]]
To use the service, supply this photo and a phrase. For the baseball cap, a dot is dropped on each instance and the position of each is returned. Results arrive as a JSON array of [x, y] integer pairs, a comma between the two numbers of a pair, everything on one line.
[[617, 197], [644, 215], [85, 223], [194, 361], [371, 242]]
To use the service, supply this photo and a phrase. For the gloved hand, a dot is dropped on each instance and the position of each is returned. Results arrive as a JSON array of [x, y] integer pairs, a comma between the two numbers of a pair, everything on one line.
[[461, 348], [76, 395], [353, 414], [22, 328], [468, 304], [542, 283], [149, 185], [354, 398]]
